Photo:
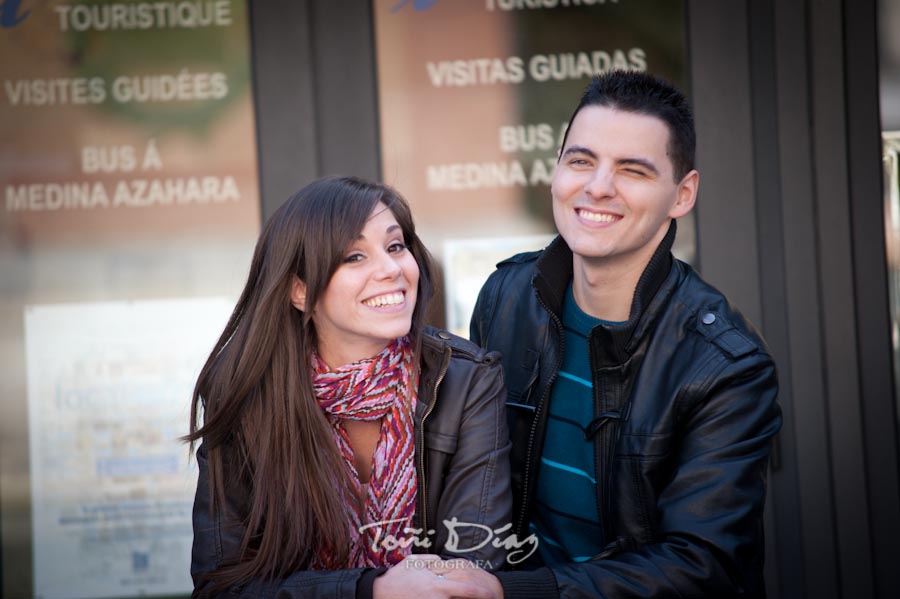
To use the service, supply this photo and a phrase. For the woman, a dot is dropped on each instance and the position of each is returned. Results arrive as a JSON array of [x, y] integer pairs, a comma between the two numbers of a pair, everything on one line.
[[338, 433]]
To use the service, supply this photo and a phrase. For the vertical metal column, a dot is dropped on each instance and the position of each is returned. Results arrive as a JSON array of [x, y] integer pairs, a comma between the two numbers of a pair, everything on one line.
[[315, 93], [871, 293]]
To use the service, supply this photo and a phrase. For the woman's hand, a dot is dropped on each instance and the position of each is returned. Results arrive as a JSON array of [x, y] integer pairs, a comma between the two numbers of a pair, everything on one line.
[[427, 576], [464, 571]]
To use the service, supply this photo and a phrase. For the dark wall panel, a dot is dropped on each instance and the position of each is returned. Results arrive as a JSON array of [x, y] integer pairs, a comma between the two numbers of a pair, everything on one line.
[[283, 93], [870, 283], [314, 78], [726, 214], [832, 215], [783, 532], [818, 556], [346, 97]]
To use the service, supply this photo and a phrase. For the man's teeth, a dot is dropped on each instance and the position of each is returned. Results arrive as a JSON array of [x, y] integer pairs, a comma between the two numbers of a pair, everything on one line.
[[388, 299], [598, 217]]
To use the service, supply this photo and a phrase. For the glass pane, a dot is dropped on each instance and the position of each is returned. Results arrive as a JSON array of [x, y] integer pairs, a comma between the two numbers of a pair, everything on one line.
[[130, 190], [473, 100], [889, 65], [891, 158]]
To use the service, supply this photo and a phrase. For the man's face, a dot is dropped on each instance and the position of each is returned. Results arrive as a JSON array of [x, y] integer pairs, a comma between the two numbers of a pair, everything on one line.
[[614, 189]]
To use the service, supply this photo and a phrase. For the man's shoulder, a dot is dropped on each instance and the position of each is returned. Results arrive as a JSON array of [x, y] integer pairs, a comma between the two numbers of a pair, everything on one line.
[[520, 259], [709, 313], [517, 270], [504, 299]]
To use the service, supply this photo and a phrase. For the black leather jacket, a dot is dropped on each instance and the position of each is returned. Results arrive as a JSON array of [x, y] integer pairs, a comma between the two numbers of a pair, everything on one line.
[[684, 404], [462, 464]]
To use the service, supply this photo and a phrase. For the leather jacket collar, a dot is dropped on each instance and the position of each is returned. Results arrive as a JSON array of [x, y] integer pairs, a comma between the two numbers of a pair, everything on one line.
[[553, 271]]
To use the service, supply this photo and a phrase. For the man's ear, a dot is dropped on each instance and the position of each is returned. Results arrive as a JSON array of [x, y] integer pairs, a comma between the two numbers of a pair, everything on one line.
[[298, 294], [686, 195]]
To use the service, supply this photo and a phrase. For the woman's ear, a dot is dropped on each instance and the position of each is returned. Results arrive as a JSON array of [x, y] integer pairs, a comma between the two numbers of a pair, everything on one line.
[[298, 294]]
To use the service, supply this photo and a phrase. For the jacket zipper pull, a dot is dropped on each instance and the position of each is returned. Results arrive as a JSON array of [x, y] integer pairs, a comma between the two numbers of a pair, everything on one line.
[[597, 423]]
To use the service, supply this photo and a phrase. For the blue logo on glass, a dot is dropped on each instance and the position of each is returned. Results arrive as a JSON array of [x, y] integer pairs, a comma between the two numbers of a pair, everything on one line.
[[9, 13], [418, 5]]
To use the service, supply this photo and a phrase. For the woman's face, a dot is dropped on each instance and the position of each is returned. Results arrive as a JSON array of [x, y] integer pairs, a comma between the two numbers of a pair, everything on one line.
[[370, 298]]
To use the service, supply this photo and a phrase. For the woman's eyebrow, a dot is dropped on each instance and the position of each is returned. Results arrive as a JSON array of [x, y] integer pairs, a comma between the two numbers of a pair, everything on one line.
[[390, 229]]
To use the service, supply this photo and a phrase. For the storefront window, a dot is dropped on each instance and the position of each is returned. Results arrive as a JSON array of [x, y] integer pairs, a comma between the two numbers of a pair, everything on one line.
[[130, 209], [474, 98]]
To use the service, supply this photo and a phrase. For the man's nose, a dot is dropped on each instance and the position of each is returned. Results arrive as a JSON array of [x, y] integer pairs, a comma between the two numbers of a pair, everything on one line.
[[600, 184]]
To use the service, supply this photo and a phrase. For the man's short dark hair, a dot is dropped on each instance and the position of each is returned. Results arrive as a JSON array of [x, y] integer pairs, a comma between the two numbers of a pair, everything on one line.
[[642, 93]]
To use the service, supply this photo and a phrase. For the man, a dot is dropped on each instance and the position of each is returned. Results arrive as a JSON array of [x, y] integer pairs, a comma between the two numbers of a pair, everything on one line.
[[641, 403]]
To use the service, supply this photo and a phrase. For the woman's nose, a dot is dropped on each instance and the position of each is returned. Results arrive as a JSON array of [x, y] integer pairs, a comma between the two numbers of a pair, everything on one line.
[[388, 267]]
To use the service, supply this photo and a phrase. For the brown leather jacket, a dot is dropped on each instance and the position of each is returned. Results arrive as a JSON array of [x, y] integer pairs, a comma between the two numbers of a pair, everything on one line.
[[462, 464]]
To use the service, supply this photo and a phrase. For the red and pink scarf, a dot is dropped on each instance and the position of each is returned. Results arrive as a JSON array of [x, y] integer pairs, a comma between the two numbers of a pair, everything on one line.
[[380, 387]]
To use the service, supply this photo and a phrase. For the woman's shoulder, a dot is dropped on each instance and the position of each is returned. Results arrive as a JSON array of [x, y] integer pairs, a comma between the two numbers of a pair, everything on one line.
[[460, 376], [436, 342]]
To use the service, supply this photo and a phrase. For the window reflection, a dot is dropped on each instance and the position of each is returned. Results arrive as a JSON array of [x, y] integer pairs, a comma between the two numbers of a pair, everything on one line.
[[891, 161], [889, 75], [128, 168]]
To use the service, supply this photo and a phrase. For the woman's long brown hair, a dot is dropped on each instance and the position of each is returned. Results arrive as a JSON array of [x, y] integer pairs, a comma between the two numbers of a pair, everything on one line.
[[261, 424]]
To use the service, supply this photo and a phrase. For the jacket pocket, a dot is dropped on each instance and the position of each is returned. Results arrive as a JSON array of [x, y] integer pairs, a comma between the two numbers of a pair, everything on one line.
[[643, 469], [520, 386], [658, 445]]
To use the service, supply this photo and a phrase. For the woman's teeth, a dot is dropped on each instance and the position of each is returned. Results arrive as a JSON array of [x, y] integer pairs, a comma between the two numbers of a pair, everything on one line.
[[389, 299]]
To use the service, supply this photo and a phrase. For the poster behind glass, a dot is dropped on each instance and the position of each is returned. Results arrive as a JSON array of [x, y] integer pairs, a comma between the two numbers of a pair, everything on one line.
[[130, 207], [474, 97]]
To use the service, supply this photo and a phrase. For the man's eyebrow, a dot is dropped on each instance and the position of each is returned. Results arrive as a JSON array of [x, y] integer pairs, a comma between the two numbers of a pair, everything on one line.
[[638, 162], [579, 150]]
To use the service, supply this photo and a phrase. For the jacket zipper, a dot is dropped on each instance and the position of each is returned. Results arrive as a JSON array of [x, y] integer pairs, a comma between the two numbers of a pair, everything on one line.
[[600, 492], [420, 452], [537, 416]]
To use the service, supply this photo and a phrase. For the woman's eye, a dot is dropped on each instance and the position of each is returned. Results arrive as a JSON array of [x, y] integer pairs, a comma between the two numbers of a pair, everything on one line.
[[396, 247], [353, 258]]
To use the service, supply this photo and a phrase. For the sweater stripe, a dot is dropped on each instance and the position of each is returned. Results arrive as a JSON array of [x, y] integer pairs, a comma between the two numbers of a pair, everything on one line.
[[577, 379], [565, 468]]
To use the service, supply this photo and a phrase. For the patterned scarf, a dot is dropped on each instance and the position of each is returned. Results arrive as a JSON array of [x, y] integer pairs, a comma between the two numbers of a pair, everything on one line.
[[375, 388]]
